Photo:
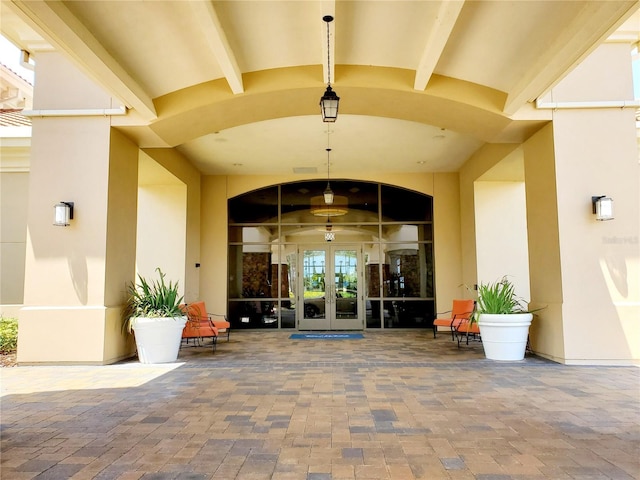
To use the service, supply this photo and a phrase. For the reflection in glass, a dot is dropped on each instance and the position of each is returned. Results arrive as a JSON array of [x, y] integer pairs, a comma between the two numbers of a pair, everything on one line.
[[393, 226], [259, 206], [251, 273], [345, 267], [401, 205], [408, 264], [313, 280], [408, 313], [253, 314], [373, 314], [361, 201]]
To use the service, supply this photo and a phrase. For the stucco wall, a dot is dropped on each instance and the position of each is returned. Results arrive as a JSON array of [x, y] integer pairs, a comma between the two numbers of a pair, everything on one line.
[[74, 281], [501, 234], [587, 272], [190, 178], [547, 335], [14, 188]]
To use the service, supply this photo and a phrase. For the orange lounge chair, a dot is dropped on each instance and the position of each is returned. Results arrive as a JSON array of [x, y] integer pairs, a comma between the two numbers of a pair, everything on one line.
[[199, 310], [198, 328], [462, 309], [466, 329]]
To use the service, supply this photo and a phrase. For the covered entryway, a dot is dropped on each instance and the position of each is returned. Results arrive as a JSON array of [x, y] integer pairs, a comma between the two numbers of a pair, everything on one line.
[[367, 262]]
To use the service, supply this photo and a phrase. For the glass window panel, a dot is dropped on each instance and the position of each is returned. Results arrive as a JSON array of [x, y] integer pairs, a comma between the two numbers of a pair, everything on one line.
[[390, 314], [405, 233], [251, 273], [372, 278], [253, 234], [429, 271], [253, 314], [373, 314], [345, 266], [287, 314], [314, 270], [408, 270], [259, 206], [409, 313], [427, 232], [357, 202], [401, 205]]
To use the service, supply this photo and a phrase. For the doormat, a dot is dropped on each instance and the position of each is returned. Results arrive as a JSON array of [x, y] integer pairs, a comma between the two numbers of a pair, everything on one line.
[[326, 336]]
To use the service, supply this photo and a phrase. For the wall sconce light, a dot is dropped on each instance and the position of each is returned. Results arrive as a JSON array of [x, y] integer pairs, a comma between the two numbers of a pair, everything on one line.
[[602, 207], [63, 212]]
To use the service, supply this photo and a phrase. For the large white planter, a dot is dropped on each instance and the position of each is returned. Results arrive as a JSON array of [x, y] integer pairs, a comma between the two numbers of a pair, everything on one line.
[[504, 337], [158, 339]]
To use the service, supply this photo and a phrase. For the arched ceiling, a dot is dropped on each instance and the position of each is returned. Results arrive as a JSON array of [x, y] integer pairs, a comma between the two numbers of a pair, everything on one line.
[[234, 85]]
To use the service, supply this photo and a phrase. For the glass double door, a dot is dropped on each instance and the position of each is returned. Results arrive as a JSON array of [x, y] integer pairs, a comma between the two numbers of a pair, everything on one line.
[[329, 288]]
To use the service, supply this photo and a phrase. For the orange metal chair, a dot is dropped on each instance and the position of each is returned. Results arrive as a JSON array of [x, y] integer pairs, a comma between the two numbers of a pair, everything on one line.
[[198, 328], [199, 310], [461, 310], [466, 329]]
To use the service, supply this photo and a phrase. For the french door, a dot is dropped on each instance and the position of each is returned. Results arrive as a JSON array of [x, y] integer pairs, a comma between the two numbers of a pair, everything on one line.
[[330, 288]]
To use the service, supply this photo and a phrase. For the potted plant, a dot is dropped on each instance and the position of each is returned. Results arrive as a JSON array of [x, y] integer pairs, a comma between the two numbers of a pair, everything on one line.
[[153, 313], [503, 320]]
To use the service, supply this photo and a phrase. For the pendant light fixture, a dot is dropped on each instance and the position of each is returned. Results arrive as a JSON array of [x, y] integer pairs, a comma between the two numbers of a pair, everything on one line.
[[330, 100], [328, 193], [329, 235], [328, 204]]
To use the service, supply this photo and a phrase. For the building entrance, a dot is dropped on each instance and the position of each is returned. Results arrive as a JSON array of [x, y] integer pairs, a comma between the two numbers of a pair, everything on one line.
[[329, 288], [366, 261]]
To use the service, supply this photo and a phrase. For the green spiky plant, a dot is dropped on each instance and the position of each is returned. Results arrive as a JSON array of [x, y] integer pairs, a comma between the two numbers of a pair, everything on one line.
[[499, 298], [152, 299]]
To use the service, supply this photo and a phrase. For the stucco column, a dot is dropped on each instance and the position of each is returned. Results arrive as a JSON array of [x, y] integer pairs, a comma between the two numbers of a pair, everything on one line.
[[587, 272], [75, 276]]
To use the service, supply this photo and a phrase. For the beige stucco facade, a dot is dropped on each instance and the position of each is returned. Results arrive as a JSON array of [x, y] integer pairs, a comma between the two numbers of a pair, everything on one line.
[[522, 208]]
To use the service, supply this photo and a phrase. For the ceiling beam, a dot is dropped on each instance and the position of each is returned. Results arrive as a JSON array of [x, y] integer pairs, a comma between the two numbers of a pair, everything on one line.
[[67, 34], [328, 7], [217, 40], [595, 22], [439, 32]]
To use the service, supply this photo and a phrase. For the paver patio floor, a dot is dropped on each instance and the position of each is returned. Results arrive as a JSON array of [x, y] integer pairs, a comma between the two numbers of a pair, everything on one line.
[[397, 405]]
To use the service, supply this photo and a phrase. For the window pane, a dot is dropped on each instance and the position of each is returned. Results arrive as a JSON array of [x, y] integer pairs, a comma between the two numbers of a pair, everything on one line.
[[260, 206], [261, 234], [372, 270], [253, 314], [251, 273], [373, 314], [287, 314], [409, 313], [408, 270], [304, 202], [400, 205], [405, 233]]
